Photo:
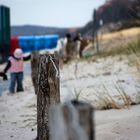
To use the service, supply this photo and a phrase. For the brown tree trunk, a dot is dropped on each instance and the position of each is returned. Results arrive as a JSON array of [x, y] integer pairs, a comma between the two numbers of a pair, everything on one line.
[[71, 121], [48, 93]]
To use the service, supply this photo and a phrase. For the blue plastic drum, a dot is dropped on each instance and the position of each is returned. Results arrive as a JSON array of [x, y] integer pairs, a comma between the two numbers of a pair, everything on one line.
[[37, 43], [50, 41], [27, 43]]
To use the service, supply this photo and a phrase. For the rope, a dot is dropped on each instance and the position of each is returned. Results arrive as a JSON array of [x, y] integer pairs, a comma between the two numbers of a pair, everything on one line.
[[57, 72]]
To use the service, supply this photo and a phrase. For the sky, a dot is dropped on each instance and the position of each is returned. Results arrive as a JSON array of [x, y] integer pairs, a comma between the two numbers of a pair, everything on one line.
[[54, 13]]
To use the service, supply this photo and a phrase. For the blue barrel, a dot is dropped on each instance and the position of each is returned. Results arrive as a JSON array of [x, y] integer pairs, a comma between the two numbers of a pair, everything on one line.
[[50, 41], [37, 43], [27, 43]]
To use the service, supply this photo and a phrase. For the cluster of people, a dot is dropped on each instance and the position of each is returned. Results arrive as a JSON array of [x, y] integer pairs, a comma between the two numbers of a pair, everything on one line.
[[70, 47]]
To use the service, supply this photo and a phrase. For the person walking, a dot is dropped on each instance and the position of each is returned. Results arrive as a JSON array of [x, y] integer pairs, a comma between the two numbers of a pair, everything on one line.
[[70, 48], [15, 64]]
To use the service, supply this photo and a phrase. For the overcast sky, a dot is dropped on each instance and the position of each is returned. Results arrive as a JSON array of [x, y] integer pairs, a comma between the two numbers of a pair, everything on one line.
[[58, 13]]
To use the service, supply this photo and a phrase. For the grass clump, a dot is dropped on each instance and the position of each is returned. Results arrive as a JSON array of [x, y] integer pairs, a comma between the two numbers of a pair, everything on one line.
[[128, 49], [107, 99]]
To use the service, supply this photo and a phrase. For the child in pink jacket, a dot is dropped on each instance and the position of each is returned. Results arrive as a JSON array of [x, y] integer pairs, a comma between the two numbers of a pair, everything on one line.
[[15, 65]]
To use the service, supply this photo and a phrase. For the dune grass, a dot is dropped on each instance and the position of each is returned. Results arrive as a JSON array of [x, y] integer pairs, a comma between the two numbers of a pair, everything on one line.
[[123, 33], [128, 49], [104, 99]]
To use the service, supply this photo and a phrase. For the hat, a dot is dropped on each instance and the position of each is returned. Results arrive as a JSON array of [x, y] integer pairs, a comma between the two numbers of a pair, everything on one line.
[[18, 53]]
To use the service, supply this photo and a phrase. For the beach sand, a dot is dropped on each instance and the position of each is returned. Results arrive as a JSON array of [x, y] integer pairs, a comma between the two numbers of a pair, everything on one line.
[[18, 111]]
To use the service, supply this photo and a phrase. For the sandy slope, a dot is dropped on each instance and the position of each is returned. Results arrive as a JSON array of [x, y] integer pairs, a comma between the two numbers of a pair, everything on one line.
[[121, 124], [18, 115], [18, 112], [18, 121]]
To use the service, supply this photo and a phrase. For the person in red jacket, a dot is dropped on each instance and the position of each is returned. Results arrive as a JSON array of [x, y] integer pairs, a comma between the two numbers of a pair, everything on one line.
[[15, 65]]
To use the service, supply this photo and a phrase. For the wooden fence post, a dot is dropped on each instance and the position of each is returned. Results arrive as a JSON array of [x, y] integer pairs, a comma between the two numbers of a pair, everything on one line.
[[34, 69], [48, 92], [71, 121]]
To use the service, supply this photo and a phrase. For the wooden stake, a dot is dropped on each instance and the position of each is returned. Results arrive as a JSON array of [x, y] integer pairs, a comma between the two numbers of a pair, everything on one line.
[[48, 93], [34, 69], [71, 121]]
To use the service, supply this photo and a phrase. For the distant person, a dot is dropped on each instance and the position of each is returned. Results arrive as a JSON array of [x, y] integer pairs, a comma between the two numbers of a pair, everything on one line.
[[15, 64], [70, 48], [81, 43], [78, 40], [78, 37], [61, 49]]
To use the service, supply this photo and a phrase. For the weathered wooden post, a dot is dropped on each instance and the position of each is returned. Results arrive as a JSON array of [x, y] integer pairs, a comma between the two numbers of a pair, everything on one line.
[[34, 69], [48, 92], [71, 121]]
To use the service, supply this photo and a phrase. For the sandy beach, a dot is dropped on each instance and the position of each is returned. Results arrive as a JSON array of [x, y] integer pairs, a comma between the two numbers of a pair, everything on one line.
[[18, 112]]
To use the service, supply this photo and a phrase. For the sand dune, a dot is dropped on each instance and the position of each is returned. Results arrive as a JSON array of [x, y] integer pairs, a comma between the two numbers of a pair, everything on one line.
[[18, 112]]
